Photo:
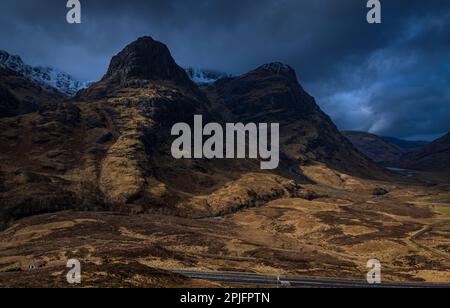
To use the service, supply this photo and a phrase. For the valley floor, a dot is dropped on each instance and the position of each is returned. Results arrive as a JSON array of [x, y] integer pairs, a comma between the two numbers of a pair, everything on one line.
[[334, 236]]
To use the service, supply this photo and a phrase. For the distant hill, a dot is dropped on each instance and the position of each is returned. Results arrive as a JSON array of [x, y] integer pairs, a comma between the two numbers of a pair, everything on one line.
[[382, 149], [375, 147], [433, 157]]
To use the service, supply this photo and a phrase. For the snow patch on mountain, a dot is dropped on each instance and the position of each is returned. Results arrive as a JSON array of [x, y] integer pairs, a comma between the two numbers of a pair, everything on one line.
[[47, 77], [205, 76], [276, 67]]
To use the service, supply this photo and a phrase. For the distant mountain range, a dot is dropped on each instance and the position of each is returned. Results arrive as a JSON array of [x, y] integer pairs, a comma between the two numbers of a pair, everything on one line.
[[433, 157], [46, 77]]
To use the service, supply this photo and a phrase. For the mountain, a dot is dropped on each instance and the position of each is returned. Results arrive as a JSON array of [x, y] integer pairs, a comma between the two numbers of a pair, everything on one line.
[[406, 145], [138, 65], [272, 94], [109, 146], [204, 76], [377, 148], [433, 157], [46, 77], [19, 95]]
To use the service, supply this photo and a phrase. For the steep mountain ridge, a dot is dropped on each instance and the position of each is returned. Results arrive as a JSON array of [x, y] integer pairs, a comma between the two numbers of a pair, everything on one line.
[[109, 147]]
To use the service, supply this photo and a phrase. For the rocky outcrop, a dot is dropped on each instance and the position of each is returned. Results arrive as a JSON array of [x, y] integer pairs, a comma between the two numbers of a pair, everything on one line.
[[145, 59]]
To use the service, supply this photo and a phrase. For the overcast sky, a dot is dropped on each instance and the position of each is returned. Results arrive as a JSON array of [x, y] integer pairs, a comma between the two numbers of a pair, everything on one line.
[[390, 79]]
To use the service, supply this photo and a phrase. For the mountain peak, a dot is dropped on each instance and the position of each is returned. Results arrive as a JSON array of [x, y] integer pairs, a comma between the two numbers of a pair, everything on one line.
[[145, 59]]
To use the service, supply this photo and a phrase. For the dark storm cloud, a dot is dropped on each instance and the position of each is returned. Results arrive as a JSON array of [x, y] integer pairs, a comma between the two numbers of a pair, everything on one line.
[[390, 79]]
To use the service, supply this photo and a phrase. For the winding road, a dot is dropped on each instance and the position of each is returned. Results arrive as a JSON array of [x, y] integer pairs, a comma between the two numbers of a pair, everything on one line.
[[255, 280], [417, 235]]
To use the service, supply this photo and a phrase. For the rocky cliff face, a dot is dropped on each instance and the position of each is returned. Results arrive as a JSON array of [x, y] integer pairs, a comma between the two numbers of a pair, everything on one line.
[[139, 99], [386, 150], [406, 145], [109, 147], [145, 59]]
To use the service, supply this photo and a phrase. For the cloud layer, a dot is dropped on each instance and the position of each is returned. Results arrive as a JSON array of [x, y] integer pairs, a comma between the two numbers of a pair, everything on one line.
[[390, 79]]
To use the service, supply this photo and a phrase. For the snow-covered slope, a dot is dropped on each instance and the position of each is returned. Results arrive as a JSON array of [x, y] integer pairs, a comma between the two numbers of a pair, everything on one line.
[[203, 76], [46, 77], [276, 67]]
